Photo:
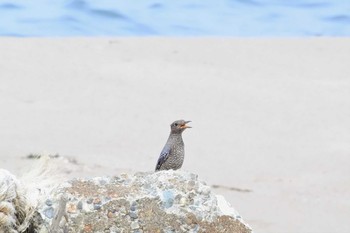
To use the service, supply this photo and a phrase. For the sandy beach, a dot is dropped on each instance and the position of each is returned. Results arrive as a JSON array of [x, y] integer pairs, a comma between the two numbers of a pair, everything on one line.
[[270, 117]]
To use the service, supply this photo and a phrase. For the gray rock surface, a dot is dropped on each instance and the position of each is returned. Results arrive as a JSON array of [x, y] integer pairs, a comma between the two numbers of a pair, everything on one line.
[[166, 201]]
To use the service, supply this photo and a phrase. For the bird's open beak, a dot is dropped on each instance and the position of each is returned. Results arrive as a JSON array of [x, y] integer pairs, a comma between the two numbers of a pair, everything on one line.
[[184, 126]]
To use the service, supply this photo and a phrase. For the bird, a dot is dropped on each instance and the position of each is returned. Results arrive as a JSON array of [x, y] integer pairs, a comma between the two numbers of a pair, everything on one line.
[[173, 153]]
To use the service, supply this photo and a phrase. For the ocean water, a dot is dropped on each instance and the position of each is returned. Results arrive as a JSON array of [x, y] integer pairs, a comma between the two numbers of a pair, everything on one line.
[[251, 18]]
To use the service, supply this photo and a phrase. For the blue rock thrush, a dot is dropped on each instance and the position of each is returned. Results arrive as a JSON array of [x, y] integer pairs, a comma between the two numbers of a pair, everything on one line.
[[173, 153]]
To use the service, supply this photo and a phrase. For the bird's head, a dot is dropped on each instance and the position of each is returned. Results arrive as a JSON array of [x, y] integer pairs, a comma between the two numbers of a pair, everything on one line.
[[179, 126]]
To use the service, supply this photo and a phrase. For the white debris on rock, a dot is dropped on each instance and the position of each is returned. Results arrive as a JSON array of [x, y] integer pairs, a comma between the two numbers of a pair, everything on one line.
[[8, 197], [20, 197]]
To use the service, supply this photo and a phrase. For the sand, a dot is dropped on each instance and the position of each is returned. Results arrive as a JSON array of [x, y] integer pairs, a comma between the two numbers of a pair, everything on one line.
[[271, 117]]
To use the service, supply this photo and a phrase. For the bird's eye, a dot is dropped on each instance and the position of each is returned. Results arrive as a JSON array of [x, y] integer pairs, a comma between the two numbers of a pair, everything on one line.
[[175, 124]]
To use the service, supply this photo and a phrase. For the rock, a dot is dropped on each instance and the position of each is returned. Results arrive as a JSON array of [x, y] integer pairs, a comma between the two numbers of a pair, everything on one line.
[[165, 201], [49, 213], [48, 202], [134, 225]]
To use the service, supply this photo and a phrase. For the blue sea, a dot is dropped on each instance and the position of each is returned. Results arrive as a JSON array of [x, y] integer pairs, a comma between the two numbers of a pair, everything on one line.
[[238, 18]]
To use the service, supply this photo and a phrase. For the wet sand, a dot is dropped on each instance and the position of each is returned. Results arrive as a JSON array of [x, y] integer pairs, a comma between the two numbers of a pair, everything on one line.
[[271, 126]]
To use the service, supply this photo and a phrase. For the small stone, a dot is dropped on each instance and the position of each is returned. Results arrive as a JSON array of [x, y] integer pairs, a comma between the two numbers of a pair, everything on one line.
[[127, 218], [102, 182], [193, 176], [124, 176], [71, 208], [88, 228], [80, 205], [48, 202], [122, 210], [205, 190], [183, 228], [110, 214], [97, 207], [195, 228], [183, 201], [90, 200], [49, 212], [134, 225], [191, 184], [168, 198], [97, 201], [133, 215]]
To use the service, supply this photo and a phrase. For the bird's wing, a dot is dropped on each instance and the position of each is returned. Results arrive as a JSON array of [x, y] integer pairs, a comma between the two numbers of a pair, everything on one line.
[[163, 156]]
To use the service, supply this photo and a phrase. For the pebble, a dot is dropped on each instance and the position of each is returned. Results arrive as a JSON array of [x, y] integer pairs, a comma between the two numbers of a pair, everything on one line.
[[88, 228], [188, 221], [71, 208], [184, 228], [133, 215], [48, 202], [169, 231], [97, 201], [133, 206], [49, 212], [206, 191], [80, 205], [127, 218], [168, 198], [97, 207], [110, 214], [190, 185], [194, 176], [196, 228], [102, 182], [122, 210], [183, 201], [134, 225]]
